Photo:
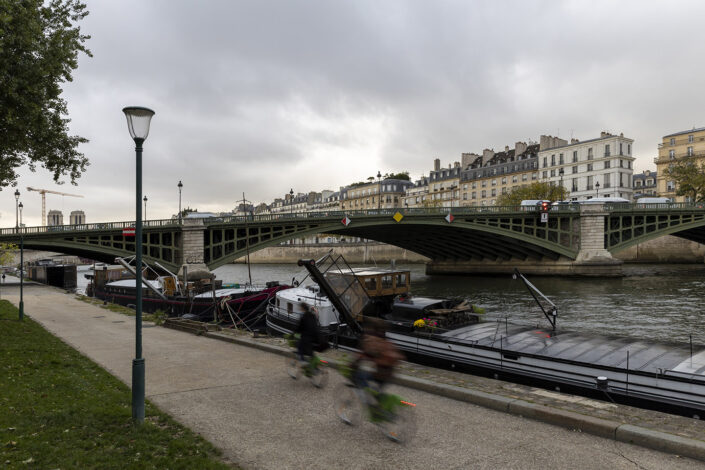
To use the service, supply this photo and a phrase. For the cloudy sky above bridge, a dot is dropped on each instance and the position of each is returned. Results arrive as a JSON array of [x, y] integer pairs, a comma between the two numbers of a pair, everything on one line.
[[263, 96]]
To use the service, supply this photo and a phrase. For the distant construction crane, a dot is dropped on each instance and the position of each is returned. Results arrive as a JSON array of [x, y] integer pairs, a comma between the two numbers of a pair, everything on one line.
[[43, 192]]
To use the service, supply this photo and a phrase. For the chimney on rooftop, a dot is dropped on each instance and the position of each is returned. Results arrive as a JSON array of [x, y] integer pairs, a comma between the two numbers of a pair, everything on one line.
[[437, 164], [519, 148]]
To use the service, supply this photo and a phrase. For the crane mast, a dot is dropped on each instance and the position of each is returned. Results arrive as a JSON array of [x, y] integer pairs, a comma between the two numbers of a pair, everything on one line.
[[44, 192]]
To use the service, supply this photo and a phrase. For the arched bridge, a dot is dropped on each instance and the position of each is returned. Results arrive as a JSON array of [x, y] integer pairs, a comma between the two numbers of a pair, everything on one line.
[[574, 233]]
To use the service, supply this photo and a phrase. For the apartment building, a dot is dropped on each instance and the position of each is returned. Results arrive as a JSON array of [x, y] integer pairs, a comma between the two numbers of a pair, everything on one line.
[[600, 167], [675, 147], [644, 184], [384, 194], [485, 177]]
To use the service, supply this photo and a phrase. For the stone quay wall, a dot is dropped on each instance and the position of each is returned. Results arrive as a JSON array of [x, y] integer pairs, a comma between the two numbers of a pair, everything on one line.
[[357, 253], [664, 250]]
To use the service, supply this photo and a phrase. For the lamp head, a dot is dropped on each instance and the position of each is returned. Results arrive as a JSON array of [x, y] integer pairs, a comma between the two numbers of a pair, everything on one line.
[[597, 184], [138, 119], [144, 199], [180, 185], [21, 205], [560, 172], [291, 192], [379, 174], [17, 194]]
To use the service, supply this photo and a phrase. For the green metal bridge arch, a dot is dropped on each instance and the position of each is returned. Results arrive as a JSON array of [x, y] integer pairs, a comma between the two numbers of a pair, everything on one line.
[[626, 227], [469, 235]]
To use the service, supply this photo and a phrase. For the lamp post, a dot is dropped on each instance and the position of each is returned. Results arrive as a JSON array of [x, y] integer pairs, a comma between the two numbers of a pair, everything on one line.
[[180, 185], [17, 230], [379, 183], [17, 210], [597, 188], [21, 207], [138, 119], [145, 207], [291, 201], [560, 173]]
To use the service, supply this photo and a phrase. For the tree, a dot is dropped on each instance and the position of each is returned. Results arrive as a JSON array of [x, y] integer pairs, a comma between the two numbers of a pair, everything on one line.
[[689, 176], [404, 175], [6, 255], [535, 190], [39, 47]]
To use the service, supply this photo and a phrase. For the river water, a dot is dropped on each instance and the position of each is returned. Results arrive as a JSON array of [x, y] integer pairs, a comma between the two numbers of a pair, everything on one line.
[[663, 303]]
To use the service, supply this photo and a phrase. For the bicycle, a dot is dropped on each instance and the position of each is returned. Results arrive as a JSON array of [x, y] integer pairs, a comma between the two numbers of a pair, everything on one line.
[[393, 415], [314, 368]]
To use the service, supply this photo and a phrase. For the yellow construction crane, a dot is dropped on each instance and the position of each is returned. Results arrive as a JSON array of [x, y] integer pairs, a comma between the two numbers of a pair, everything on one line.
[[43, 192]]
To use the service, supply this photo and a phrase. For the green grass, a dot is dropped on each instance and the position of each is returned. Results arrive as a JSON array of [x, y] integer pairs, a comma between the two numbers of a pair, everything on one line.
[[58, 409]]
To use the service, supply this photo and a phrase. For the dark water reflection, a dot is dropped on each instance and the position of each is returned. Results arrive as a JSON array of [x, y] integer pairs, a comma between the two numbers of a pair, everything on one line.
[[653, 302]]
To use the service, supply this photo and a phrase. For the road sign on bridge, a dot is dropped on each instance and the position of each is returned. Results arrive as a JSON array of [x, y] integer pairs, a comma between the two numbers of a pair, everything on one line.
[[128, 232]]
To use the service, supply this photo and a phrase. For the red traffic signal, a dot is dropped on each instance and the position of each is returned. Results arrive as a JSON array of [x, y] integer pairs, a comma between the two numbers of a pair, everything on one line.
[[545, 205]]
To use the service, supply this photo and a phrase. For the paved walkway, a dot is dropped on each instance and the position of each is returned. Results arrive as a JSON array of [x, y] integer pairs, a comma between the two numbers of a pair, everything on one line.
[[241, 400]]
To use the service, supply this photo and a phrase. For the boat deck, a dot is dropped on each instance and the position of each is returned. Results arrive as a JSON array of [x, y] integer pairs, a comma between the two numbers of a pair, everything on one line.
[[602, 351]]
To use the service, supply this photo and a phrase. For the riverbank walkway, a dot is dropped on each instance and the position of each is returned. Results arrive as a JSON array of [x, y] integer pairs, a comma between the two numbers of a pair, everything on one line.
[[241, 400]]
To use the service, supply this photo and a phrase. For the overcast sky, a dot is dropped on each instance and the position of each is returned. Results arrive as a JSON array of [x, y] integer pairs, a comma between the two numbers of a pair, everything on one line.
[[262, 96]]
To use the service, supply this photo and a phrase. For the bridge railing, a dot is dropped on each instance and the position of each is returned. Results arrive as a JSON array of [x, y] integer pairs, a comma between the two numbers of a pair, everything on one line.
[[667, 206], [86, 227]]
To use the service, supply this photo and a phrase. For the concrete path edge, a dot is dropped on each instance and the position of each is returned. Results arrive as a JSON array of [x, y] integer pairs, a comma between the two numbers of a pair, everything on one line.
[[620, 432]]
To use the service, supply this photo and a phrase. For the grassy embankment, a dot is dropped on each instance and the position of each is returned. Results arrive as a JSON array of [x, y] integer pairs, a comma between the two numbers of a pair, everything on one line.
[[58, 409]]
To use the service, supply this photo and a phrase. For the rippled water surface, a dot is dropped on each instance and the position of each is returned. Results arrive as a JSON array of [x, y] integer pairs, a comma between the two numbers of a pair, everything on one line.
[[653, 302]]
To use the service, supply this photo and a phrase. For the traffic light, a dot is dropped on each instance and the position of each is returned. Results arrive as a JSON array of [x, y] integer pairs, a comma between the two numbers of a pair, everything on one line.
[[545, 205]]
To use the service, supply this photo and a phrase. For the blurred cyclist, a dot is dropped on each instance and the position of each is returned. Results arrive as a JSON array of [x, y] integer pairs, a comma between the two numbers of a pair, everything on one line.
[[378, 350], [308, 329]]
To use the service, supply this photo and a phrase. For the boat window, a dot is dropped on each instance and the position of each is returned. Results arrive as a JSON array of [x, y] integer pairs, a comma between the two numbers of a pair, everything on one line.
[[371, 283], [386, 282], [289, 307], [401, 280]]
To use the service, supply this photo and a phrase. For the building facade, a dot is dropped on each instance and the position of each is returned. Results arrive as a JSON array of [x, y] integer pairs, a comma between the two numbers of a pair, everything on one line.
[[486, 177], [77, 218], [600, 167], [676, 147], [385, 194], [644, 184], [55, 217]]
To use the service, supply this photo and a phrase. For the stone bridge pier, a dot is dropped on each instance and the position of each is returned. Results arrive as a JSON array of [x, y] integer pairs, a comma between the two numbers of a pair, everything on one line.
[[592, 260], [192, 242]]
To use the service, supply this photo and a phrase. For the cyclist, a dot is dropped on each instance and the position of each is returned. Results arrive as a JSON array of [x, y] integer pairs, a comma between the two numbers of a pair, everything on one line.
[[378, 350], [308, 329]]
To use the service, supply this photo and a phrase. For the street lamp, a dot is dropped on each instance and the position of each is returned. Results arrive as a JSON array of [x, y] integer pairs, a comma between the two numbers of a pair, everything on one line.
[[138, 119], [145, 207], [560, 173], [21, 207], [17, 230], [291, 201], [180, 185], [379, 199], [17, 217], [597, 188]]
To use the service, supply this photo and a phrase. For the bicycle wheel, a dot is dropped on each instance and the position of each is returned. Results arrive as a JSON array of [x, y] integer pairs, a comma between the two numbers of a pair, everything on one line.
[[319, 379], [293, 368], [348, 406], [402, 425]]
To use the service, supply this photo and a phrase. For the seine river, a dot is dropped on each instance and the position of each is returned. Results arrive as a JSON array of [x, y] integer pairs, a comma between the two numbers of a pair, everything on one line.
[[652, 302]]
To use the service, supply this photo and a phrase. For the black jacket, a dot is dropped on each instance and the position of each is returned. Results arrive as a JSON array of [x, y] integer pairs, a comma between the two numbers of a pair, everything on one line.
[[308, 329]]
